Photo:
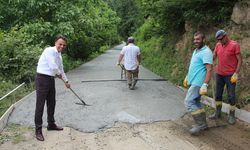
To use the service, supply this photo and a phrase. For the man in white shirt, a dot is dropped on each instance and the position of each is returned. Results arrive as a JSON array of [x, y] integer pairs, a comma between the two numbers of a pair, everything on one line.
[[132, 58], [49, 66]]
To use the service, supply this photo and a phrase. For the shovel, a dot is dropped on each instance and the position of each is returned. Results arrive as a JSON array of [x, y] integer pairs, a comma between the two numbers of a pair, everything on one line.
[[82, 102]]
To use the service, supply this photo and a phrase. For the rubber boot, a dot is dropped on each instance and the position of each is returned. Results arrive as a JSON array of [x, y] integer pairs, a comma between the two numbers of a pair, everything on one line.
[[129, 84], [201, 123], [231, 117], [217, 113], [134, 83]]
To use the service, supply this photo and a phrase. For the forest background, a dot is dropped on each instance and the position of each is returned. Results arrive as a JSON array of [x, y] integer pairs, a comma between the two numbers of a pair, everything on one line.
[[163, 30]]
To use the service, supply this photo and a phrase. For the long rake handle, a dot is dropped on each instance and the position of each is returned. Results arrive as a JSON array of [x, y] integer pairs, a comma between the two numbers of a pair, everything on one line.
[[76, 95]]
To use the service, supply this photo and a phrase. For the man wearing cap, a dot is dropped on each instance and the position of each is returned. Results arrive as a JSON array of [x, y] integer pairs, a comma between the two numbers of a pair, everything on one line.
[[132, 58], [198, 77], [229, 63]]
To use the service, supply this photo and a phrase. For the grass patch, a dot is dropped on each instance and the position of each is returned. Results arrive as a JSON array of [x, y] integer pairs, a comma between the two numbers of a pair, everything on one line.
[[14, 133], [13, 97], [246, 99], [245, 53], [209, 111]]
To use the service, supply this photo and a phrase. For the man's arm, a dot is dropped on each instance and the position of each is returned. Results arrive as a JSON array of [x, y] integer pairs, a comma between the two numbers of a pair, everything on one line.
[[214, 55], [120, 58], [203, 89], [139, 59], [63, 75], [239, 58], [208, 74]]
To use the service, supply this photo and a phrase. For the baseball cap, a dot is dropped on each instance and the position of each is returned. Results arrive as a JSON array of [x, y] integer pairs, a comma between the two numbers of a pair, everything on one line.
[[220, 33], [131, 38]]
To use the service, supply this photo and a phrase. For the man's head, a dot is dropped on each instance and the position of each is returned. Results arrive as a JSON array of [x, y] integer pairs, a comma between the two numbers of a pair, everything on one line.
[[131, 39], [60, 43], [199, 39], [221, 36]]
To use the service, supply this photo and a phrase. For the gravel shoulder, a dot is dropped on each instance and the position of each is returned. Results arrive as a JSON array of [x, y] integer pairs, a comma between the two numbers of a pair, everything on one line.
[[162, 135]]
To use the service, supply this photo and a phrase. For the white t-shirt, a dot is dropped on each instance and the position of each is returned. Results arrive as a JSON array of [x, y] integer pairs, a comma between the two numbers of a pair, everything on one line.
[[130, 53], [50, 63]]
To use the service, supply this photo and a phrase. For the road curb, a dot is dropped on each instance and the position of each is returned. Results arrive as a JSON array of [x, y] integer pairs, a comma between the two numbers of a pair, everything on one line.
[[239, 113], [5, 117]]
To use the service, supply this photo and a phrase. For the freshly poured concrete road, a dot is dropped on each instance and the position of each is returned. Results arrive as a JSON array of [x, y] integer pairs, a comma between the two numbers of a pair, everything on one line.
[[111, 101]]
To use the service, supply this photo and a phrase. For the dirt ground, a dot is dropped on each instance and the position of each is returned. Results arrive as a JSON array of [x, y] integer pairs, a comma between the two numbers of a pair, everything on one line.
[[163, 135]]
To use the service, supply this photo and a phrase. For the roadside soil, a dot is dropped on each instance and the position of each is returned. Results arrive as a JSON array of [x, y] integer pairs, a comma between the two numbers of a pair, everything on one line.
[[162, 135]]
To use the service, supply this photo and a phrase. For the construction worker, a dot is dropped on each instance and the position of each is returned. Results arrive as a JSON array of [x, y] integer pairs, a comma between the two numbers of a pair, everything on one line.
[[229, 63], [197, 79], [132, 58]]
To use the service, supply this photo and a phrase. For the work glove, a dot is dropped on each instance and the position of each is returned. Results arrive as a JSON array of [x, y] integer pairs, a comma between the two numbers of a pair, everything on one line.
[[234, 78], [203, 89], [185, 82]]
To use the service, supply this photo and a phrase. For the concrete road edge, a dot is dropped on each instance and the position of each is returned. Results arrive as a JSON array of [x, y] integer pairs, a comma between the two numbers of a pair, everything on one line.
[[5, 117]]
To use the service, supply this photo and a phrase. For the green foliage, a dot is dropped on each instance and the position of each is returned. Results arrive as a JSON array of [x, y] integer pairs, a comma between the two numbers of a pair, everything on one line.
[[162, 60], [6, 87], [70, 63], [247, 99], [28, 26], [236, 37], [97, 53], [205, 13], [169, 15], [130, 14], [17, 57], [245, 53], [164, 25], [147, 30], [87, 24]]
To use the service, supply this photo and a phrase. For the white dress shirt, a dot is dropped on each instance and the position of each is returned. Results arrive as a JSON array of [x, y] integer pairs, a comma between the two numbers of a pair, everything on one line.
[[130, 53], [50, 63]]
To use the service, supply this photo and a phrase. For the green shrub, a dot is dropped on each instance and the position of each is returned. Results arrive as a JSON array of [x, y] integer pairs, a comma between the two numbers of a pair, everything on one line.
[[162, 60]]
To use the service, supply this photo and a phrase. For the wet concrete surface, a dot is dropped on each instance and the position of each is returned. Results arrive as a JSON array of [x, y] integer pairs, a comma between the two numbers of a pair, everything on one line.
[[111, 101]]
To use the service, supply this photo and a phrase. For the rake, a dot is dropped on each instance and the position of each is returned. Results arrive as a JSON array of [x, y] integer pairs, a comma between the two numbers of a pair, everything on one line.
[[82, 102]]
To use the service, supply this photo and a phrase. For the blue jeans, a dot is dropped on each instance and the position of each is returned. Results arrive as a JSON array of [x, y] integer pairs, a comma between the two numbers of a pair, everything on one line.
[[192, 100], [221, 81]]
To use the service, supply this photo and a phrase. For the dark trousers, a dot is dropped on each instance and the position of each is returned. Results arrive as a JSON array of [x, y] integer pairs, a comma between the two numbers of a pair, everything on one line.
[[45, 91], [221, 81]]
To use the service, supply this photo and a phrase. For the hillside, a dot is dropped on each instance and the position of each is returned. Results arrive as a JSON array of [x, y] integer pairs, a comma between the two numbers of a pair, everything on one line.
[[165, 37], [237, 30]]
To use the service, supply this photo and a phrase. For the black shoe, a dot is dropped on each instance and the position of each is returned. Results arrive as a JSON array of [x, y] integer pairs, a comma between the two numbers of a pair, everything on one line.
[[54, 127], [39, 135]]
